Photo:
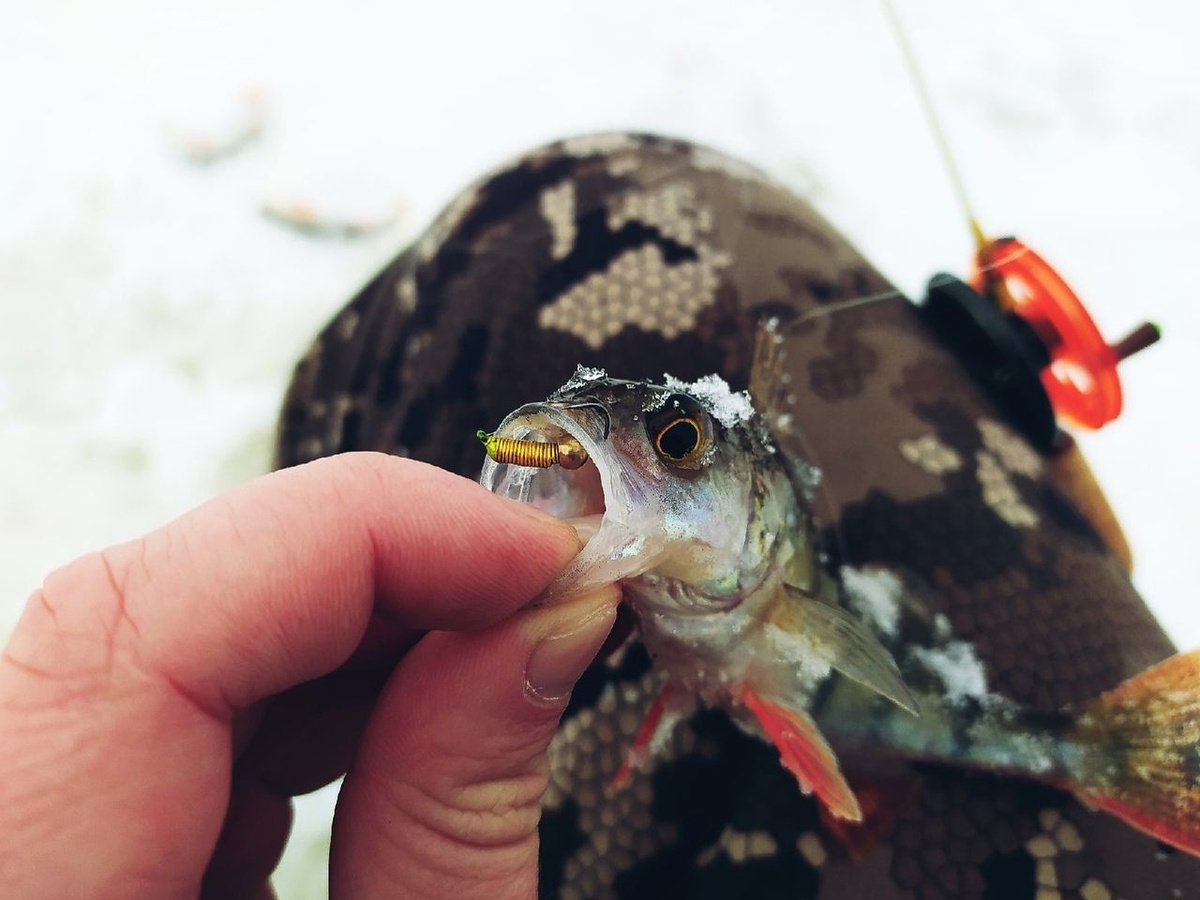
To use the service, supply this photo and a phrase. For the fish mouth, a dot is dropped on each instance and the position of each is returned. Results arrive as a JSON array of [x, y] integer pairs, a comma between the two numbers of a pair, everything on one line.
[[604, 499]]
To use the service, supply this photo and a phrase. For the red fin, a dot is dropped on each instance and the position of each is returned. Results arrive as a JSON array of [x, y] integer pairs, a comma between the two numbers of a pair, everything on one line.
[[1147, 730], [655, 726], [805, 754], [882, 798]]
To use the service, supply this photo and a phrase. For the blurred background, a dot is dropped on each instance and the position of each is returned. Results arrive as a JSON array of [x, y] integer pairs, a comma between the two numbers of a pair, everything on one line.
[[188, 192]]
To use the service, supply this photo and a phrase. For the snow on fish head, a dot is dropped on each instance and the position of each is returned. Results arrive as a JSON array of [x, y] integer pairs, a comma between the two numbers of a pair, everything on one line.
[[680, 496]]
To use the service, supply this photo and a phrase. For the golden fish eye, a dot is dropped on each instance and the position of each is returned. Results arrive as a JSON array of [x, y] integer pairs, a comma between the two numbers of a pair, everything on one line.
[[679, 439], [680, 431]]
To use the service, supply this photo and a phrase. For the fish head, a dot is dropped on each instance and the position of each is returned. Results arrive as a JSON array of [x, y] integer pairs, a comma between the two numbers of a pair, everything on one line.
[[682, 499]]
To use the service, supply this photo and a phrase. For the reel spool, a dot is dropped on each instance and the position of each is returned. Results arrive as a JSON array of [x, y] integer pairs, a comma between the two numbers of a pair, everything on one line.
[[1028, 339], [1081, 378]]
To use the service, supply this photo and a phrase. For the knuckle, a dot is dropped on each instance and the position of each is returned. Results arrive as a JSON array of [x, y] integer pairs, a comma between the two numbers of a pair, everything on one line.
[[370, 474], [79, 622], [487, 814], [499, 812]]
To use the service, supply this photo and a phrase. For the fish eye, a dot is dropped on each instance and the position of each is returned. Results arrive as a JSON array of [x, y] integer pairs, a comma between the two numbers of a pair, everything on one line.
[[681, 431], [679, 439]]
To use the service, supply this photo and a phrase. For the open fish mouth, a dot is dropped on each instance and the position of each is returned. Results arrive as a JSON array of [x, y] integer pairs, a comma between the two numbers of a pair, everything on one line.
[[605, 499], [574, 495]]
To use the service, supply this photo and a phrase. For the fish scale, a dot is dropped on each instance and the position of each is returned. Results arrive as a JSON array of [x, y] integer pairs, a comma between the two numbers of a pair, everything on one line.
[[498, 303]]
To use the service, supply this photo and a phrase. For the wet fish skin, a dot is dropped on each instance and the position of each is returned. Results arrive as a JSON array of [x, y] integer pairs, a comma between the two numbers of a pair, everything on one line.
[[710, 532], [479, 315]]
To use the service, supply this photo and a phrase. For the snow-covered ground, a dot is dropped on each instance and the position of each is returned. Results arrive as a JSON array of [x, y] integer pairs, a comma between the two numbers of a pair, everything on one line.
[[150, 314]]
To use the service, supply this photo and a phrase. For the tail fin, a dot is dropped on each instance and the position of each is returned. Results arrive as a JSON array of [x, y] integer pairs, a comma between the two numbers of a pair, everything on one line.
[[1147, 730]]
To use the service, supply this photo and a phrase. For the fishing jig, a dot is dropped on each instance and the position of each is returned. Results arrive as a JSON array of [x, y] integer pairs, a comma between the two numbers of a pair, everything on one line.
[[567, 453]]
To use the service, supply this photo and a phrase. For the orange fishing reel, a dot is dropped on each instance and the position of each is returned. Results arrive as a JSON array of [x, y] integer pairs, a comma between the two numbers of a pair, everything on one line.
[[1081, 378], [1021, 319], [1029, 341]]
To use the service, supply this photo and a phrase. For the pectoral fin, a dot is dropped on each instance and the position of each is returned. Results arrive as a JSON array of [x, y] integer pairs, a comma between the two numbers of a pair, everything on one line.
[[845, 643], [805, 754]]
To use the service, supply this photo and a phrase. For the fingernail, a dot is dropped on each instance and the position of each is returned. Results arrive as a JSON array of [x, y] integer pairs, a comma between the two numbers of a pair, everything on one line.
[[560, 659]]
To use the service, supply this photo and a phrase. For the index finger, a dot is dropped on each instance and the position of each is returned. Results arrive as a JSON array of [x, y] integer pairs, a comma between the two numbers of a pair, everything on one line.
[[273, 583], [119, 682]]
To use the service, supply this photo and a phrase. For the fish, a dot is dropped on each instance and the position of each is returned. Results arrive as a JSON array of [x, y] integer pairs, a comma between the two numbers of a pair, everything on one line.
[[638, 253], [710, 531]]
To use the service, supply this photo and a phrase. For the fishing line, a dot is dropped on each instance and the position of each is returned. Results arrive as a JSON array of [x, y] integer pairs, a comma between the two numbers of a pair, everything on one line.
[[843, 305], [935, 124], [828, 309]]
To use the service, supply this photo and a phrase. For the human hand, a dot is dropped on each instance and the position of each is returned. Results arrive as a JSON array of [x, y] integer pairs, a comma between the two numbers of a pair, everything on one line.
[[161, 701]]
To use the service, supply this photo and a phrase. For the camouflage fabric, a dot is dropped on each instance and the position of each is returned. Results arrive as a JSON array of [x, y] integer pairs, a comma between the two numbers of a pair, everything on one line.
[[641, 255]]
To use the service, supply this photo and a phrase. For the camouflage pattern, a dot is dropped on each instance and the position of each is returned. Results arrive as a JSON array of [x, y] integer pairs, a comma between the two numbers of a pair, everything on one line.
[[645, 255]]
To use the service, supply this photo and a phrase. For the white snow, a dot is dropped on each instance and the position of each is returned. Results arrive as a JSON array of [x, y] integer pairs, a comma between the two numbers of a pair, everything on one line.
[[728, 407], [808, 662], [875, 595], [958, 667], [151, 314], [582, 375]]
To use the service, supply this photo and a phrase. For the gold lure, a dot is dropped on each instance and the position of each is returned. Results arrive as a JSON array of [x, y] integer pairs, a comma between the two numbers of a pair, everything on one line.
[[540, 454]]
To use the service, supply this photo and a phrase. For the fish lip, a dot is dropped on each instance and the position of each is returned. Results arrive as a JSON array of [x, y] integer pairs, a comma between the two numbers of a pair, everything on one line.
[[589, 423], [621, 547], [593, 406]]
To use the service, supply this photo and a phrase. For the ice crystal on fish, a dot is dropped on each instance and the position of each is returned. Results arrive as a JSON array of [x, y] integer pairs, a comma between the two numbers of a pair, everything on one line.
[[811, 667], [941, 627], [874, 595], [583, 375], [959, 669], [728, 407]]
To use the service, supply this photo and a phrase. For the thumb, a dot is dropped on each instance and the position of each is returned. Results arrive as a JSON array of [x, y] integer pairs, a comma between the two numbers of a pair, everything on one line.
[[444, 797]]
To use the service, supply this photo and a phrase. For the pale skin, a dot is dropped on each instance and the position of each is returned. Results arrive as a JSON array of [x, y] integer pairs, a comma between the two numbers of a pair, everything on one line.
[[162, 700]]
